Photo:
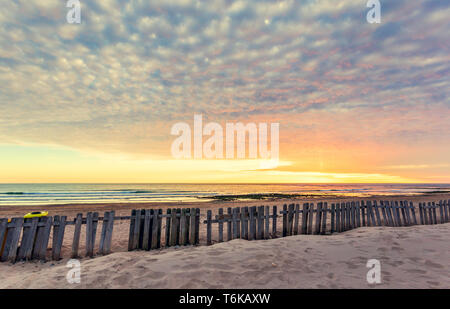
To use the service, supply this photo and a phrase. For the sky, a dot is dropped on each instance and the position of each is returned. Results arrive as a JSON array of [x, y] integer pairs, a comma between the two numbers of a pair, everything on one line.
[[95, 102]]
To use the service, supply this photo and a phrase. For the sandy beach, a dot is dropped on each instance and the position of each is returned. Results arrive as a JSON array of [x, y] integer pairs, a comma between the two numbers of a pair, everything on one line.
[[413, 257], [410, 257]]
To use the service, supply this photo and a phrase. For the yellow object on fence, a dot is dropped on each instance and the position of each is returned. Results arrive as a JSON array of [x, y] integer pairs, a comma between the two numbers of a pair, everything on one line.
[[36, 214]]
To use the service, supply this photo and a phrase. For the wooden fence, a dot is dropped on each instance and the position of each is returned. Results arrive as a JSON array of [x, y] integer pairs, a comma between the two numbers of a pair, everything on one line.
[[28, 239], [35, 234], [261, 222], [182, 228]]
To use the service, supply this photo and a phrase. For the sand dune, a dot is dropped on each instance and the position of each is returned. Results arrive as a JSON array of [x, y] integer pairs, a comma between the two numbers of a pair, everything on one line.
[[411, 257]]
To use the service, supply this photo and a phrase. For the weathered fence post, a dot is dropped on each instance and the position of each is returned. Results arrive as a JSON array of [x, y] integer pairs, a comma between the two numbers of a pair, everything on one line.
[[76, 236], [252, 228], [28, 237], [274, 221], [229, 224], [332, 218], [59, 227], [146, 239], [12, 239], [296, 214], [220, 217], [208, 227], [310, 218], [318, 218], [42, 237], [324, 218], [168, 227]]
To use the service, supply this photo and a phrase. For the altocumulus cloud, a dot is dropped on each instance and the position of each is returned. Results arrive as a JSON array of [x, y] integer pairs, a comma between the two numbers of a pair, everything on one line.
[[121, 78]]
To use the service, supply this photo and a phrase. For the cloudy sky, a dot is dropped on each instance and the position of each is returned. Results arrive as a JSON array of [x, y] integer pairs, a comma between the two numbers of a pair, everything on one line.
[[95, 102]]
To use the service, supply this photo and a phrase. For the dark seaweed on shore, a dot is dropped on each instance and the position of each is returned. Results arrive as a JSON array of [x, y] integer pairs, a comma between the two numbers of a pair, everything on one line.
[[261, 196]]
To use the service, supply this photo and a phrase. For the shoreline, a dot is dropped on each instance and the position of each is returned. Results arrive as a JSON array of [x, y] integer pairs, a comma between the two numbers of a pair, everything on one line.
[[122, 208]]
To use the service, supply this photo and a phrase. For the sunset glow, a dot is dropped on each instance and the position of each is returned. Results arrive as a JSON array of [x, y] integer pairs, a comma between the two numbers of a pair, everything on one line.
[[95, 102]]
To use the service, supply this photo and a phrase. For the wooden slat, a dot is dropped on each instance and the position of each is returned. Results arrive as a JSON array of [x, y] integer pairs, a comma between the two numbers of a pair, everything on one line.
[[370, 214], [42, 237], [324, 218], [28, 237], [3, 233], [137, 229], [274, 221], [343, 217], [245, 223], [413, 212], [394, 213], [383, 212], [102, 233], [192, 232], [332, 218], [310, 218], [168, 227], [229, 225], [76, 236], [197, 226], [146, 238], [296, 215], [183, 228], [238, 222], [266, 222], [421, 210], [285, 220], [141, 229], [318, 218], [305, 212], [338, 218], [58, 237], [234, 222], [109, 233], [390, 213], [178, 226], [358, 214], [430, 213], [208, 227], [377, 213], [12, 240], [160, 219], [403, 213], [424, 213], [89, 234], [441, 212], [350, 207], [155, 238], [363, 214], [291, 219], [447, 210], [407, 213], [252, 228], [174, 228], [433, 204], [221, 225]]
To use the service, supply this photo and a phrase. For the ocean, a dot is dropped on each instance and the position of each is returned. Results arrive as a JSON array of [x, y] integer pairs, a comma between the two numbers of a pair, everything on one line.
[[43, 194]]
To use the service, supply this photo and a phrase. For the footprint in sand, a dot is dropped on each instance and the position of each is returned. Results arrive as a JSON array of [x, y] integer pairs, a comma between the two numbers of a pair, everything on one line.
[[432, 264], [433, 283], [416, 271], [397, 249]]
